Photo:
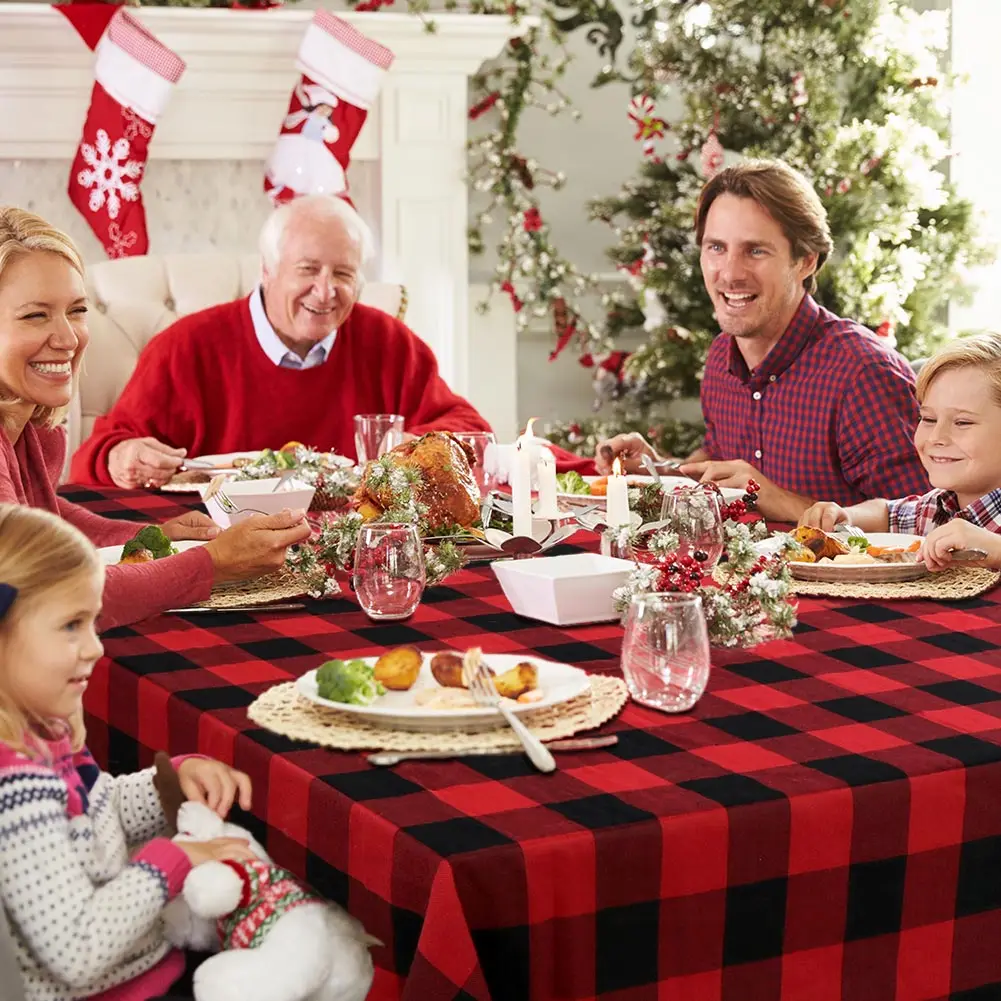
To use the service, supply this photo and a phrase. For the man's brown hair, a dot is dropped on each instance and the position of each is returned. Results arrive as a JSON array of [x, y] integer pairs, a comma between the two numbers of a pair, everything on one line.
[[785, 195]]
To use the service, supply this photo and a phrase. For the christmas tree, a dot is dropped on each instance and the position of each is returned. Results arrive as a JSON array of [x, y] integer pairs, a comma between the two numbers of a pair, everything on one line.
[[851, 93]]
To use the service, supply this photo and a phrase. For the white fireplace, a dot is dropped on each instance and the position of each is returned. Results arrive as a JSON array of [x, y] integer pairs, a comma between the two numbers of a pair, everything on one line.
[[203, 186]]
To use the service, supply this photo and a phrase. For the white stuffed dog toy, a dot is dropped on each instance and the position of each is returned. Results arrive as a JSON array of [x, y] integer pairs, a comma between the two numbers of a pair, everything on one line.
[[279, 941]]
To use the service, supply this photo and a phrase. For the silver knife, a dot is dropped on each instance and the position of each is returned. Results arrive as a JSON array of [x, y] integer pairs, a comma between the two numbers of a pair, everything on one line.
[[280, 607], [572, 744]]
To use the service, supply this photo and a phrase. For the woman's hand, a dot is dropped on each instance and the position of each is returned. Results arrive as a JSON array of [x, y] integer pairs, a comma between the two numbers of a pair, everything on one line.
[[936, 550], [824, 515], [257, 545], [207, 781], [192, 525], [217, 850], [628, 449]]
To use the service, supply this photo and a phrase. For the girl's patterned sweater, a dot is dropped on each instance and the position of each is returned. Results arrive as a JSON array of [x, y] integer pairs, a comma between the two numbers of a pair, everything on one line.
[[84, 877]]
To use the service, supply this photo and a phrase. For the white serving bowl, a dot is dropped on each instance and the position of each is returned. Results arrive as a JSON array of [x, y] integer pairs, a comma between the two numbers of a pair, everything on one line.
[[252, 496], [563, 590]]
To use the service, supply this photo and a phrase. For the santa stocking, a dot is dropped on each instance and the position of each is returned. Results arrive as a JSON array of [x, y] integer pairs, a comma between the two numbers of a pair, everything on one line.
[[342, 73], [134, 77]]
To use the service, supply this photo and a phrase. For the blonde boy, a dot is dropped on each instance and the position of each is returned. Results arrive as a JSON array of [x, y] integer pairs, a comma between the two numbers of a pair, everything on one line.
[[959, 441]]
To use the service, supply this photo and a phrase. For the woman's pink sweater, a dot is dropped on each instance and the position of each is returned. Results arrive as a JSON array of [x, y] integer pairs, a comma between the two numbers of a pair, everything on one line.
[[29, 472]]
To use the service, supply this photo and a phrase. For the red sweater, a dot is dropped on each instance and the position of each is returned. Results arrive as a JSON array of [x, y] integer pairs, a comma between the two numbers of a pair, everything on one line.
[[29, 471], [204, 384]]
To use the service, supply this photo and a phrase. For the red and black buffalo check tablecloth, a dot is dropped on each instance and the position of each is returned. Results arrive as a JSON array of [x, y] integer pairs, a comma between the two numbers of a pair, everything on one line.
[[826, 823]]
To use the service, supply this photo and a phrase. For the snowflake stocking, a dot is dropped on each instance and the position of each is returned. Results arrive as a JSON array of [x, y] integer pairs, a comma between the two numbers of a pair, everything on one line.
[[134, 77], [342, 73]]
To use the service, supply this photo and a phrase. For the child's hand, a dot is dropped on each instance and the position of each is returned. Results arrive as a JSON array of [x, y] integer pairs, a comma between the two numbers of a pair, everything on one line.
[[824, 515], [214, 784], [216, 850], [959, 534]]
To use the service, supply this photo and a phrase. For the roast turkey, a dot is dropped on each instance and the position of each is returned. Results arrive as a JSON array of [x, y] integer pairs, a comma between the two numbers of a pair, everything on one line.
[[447, 489]]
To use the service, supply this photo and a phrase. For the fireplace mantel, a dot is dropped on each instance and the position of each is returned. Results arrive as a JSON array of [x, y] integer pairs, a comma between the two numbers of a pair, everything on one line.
[[229, 106]]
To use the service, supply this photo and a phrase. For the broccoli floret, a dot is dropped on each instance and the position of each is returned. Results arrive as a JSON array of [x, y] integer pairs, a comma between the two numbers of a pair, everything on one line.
[[572, 483], [352, 682], [858, 542], [152, 538]]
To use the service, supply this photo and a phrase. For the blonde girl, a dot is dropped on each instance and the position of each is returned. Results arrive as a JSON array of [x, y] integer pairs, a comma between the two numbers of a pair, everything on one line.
[[83, 905]]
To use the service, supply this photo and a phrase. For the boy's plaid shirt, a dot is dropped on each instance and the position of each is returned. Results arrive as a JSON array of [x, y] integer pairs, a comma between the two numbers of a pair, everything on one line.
[[918, 515]]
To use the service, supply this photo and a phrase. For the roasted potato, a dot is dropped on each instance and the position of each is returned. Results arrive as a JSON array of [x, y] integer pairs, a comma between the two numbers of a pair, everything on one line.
[[398, 669], [446, 669], [138, 556], [521, 678], [819, 543]]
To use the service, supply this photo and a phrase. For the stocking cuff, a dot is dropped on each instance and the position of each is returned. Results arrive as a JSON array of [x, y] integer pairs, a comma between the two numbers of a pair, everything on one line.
[[136, 69], [343, 60]]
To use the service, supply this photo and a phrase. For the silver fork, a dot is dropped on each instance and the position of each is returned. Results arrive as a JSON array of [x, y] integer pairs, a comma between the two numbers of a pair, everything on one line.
[[480, 683], [230, 508]]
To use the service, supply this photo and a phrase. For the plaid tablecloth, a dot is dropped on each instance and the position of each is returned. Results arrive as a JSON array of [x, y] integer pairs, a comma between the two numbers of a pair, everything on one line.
[[826, 823]]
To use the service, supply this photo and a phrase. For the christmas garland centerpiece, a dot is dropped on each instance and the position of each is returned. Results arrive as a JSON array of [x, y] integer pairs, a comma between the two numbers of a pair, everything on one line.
[[746, 600], [426, 482], [333, 476]]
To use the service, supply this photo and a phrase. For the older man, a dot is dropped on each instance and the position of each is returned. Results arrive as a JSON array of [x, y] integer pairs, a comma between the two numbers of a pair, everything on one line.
[[809, 405], [294, 361]]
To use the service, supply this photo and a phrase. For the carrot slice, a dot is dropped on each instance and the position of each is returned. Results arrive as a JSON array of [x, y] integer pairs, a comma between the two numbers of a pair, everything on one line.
[[599, 487]]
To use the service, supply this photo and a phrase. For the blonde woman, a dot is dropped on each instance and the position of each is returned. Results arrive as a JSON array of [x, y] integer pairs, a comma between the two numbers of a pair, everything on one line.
[[83, 903], [43, 335]]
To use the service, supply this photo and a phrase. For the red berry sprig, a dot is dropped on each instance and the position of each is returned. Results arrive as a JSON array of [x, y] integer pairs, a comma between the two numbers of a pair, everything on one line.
[[680, 573]]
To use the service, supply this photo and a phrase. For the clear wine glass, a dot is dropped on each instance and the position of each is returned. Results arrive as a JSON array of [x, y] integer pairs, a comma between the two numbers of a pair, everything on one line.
[[388, 575], [693, 514], [665, 651], [483, 444], [377, 434]]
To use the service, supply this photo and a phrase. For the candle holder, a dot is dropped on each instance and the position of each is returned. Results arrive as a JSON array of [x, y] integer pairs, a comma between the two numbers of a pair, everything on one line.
[[546, 532]]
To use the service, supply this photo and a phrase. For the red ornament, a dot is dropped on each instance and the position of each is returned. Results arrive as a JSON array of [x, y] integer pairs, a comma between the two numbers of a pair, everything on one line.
[[481, 107], [515, 301], [532, 220]]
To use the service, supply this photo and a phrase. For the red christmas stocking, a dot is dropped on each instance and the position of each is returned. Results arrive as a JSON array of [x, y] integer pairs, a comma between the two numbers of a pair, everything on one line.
[[342, 73], [134, 76]]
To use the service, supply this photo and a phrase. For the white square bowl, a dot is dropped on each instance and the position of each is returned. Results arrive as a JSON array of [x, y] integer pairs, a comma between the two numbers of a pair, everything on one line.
[[563, 590], [257, 495]]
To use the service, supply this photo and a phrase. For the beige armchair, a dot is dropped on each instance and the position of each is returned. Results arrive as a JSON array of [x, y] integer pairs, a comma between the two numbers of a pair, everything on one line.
[[134, 298]]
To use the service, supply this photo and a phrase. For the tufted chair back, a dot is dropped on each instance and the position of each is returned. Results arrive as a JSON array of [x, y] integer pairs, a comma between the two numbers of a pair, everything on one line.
[[134, 298]]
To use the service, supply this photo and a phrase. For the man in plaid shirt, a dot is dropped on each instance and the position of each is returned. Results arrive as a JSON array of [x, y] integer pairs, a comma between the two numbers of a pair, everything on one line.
[[806, 403]]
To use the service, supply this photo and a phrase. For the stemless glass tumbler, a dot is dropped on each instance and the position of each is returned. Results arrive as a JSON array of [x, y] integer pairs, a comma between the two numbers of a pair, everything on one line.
[[388, 575], [665, 651]]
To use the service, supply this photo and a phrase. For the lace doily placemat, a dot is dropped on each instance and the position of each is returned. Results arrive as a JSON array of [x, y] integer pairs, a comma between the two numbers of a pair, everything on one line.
[[282, 710], [275, 587], [950, 585]]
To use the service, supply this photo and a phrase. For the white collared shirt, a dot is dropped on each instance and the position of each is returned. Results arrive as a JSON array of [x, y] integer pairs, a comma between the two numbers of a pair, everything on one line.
[[272, 346]]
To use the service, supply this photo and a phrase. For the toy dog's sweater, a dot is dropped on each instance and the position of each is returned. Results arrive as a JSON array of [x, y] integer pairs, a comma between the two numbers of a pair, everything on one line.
[[268, 893]]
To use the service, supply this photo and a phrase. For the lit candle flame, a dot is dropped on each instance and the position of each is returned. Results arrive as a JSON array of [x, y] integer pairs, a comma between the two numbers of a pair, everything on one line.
[[528, 427], [617, 468]]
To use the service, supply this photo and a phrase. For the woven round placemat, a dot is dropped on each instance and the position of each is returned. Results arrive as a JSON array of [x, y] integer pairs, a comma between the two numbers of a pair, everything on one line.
[[275, 587], [282, 710], [950, 585]]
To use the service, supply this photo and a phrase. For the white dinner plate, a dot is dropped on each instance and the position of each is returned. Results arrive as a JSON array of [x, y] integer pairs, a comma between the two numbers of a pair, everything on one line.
[[639, 480], [560, 682], [224, 460], [865, 573], [110, 555]]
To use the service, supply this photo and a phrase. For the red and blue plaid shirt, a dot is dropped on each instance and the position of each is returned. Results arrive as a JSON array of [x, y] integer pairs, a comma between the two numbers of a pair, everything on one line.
[[830, 413], [919, 515]]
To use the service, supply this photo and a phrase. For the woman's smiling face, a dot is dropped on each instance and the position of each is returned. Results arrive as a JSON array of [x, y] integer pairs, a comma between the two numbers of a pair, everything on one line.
[[43, 328]]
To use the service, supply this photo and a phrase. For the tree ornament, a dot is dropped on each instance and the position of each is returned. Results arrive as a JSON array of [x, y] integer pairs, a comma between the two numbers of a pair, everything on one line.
[[711, 154], [649, 128]]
